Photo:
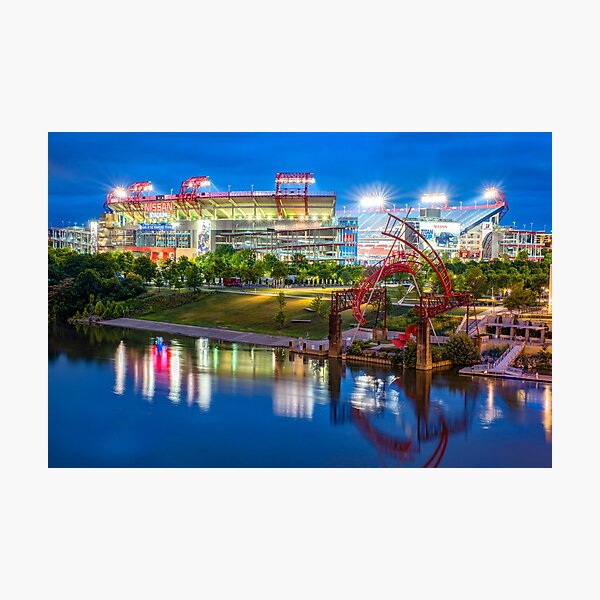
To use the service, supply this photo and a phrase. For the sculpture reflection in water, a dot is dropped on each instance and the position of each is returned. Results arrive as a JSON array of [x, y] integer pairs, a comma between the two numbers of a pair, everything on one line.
[[422, 426]]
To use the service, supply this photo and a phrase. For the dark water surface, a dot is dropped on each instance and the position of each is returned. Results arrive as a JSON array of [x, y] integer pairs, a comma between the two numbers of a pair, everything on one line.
[[124, 398]]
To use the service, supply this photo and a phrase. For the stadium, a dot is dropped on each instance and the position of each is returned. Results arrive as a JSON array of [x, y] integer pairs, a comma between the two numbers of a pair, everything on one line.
[[290, 220]]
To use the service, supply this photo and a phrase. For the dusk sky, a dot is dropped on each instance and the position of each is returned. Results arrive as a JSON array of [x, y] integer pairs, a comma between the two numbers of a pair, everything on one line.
[[82, 167]]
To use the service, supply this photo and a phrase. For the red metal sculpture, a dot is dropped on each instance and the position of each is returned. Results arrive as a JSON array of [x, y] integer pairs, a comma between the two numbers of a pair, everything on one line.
[[413, 254], [417, 253]]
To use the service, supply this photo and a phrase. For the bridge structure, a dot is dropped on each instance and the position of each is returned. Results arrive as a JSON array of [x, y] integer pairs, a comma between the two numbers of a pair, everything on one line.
[[410, 253]]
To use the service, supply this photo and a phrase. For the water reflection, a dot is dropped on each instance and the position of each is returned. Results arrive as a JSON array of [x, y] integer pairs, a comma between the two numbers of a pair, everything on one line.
[[120, 368], [423, 422], [404, 418]]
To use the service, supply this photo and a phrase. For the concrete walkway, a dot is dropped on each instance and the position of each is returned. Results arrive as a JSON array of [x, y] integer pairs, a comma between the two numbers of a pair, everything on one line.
[[243, 337], [516, 374]]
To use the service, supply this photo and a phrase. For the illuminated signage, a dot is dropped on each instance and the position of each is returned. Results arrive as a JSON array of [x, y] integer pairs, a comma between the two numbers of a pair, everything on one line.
[[204, 236], [156, 227], [165, 206], [441, 235]]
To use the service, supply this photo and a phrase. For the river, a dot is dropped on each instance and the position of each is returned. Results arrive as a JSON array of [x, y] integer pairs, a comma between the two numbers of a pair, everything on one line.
[[125, 398]]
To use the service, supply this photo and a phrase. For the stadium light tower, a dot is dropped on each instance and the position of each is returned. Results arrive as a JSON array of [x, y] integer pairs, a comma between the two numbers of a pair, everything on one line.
[[373, 201], [441, 199], [135, 190], [297, 179], [491, 193]]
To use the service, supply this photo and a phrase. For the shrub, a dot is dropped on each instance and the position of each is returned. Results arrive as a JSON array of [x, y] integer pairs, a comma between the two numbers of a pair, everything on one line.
[[355, 349], [410, 354], [495, 352], [461, 350], [438, 354], [396, 359]]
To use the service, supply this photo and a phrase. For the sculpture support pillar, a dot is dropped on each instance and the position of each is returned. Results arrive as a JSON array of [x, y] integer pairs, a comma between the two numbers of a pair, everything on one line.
[[424, 361], [335, 334]]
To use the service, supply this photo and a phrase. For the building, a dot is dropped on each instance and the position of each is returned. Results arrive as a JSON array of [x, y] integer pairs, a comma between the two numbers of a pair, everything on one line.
[[285, 221], [454, 230], [509, 242], [81, 239]]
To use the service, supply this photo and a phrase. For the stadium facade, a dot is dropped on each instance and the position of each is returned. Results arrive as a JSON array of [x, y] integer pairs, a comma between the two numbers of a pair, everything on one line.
[[291, 220], [286, 221]]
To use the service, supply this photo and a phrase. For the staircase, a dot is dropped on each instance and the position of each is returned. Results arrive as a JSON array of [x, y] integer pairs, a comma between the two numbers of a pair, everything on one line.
[[481, 321], [503, 363]]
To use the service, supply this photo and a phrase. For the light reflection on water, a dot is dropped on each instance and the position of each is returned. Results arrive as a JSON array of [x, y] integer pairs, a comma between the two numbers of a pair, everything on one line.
[[356, 416]]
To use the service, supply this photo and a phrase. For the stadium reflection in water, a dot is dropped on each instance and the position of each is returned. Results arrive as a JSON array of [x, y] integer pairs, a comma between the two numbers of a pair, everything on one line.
[[319, 413]]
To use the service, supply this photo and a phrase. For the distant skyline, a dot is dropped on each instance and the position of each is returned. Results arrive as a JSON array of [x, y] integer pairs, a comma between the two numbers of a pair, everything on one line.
[[83, 167]]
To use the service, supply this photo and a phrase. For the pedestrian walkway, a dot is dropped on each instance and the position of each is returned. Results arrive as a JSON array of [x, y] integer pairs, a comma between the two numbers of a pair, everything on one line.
[[214, 333]]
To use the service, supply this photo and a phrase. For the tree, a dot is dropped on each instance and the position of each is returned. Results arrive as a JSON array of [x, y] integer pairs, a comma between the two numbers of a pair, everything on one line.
[[282, 300], [521, 255], [258, 270], [224, 250], [437, 287], [159, 278], [193, 276], [476, 281], [461, 350], [242, 263], [144, 267], [88, 282], [280, 314], [280, 318], [520, 298], [318, 305], [124, 262], [298, 263], [280, 270], [99, 309], [269, 261]]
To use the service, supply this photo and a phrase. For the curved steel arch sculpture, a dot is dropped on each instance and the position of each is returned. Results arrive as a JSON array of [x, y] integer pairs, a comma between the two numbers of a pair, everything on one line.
[[415, 254], [420, 255]]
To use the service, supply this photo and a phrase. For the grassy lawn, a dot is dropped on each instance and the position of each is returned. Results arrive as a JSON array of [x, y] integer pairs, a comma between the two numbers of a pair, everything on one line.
[[250, 312], [246, 312]]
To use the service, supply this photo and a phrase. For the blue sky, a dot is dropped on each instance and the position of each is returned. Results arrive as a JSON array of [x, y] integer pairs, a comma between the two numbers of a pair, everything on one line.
[[82, 167]]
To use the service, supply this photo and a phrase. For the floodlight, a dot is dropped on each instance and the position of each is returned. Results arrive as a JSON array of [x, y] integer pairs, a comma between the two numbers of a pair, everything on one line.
[[435, 198], [373, 200]]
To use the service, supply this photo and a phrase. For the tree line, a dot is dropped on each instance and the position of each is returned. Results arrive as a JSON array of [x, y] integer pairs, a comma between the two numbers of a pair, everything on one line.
[[120, 276]]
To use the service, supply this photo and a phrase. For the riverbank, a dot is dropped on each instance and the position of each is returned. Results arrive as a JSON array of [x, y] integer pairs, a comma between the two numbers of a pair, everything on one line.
[[214, 333]]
